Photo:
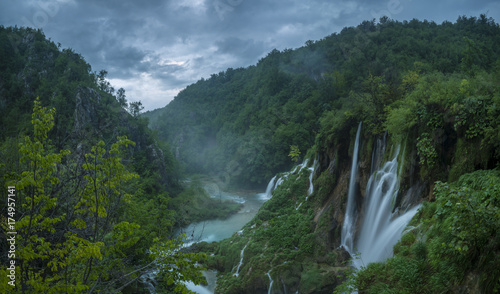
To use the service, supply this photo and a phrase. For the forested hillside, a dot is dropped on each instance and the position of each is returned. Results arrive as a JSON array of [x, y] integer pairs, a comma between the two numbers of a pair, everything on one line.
[[93, 197], [242, 122]]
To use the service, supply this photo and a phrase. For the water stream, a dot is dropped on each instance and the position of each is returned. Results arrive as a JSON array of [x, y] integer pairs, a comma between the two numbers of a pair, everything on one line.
[[241, 261], [216, 230], [270, 282], [351, 213]]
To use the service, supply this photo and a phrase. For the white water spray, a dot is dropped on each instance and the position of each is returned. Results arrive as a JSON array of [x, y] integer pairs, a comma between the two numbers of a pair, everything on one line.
[[269, 190]]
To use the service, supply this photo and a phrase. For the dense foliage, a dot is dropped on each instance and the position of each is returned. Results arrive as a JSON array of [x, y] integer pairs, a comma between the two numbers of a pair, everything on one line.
[[70, 235], [242, 122]]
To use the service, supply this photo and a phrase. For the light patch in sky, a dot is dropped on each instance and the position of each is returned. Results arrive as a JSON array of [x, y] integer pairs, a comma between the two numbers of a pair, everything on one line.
[[146, 86], [196, 5], [171, 62]]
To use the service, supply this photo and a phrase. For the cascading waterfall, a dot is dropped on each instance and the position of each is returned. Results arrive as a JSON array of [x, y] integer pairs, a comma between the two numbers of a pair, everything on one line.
[[311, 187], [275, 181], [269, 190], [381, 229], [348, 229]]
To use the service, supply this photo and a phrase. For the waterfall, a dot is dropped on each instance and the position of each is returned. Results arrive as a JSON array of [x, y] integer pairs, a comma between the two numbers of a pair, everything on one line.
[[311, 187], [348, 229], [241, 261], [381, 229], [378, 154], [269, 190], [270, 186], [299, 167], [270, 282]]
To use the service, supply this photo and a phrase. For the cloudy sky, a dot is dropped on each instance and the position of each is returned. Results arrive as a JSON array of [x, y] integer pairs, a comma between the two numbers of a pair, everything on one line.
[[155, 48]]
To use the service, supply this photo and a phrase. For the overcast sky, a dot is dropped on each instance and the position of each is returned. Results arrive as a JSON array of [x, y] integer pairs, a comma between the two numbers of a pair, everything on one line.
[[155, 48]]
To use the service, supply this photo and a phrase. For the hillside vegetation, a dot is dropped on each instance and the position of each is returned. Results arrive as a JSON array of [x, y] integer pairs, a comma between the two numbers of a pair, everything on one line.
[[242, 122]]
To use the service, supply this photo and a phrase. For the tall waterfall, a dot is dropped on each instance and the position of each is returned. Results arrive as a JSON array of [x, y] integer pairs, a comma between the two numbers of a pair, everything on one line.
[[381, 229], [348, 229]]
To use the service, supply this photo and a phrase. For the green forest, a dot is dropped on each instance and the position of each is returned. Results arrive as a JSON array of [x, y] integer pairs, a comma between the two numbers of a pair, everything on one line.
[[101, 187], [97, 197]]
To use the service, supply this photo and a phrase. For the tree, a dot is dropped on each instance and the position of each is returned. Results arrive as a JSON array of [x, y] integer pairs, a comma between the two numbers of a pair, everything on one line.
[[102, 195], [294, 153], [103, 84], [120, 96], [135, 108], [175, 266]]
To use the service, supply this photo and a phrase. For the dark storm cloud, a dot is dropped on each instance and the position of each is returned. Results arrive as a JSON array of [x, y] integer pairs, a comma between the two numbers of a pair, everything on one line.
[[154, 48]]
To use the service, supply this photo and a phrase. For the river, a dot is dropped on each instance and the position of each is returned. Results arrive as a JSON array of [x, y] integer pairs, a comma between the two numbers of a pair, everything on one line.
[[216, 230]]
